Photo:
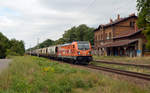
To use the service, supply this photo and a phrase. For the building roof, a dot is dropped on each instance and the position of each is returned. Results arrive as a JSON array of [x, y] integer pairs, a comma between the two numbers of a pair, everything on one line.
[[128, 34], [115, 22], [119, 43]]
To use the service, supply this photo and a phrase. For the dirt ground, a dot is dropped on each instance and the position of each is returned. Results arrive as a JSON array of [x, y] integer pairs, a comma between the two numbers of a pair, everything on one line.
[[4, 63]]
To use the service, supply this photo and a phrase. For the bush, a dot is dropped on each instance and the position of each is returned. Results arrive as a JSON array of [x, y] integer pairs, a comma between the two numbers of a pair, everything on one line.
[[11, 53]]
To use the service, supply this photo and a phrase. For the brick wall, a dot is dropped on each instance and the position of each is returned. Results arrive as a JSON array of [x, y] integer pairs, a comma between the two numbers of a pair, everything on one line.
[[105, 34], [124, 28]]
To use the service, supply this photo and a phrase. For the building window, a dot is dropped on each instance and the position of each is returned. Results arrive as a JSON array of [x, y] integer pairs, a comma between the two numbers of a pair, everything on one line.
[[132, 23], [99, 37], [107, 36], [110, 35]]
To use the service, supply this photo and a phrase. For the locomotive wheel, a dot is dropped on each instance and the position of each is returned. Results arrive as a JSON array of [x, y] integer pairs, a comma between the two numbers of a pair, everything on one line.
[[76, 62]]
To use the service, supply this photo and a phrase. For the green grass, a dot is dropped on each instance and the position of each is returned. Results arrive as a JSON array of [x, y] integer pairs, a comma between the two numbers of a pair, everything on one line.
[[39, 75], [136, 60]]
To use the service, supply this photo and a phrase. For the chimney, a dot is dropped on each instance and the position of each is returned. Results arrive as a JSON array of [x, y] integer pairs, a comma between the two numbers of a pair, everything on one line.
[[102, 26], [118, 17], [133, 14], [111, 21]]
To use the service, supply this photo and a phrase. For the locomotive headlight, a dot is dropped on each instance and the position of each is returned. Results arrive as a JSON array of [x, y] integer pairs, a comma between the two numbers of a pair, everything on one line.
[[79, 53]]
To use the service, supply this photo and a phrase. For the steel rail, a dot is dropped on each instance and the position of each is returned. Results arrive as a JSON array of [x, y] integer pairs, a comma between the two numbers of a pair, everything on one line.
[[122, 72], [117, 71], [125, 64]]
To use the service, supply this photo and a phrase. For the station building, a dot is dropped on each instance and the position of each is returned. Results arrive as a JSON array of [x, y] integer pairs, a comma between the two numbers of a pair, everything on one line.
[[120, 37]]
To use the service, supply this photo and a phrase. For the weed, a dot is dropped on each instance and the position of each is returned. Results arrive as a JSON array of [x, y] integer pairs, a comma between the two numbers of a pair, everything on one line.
[[39, 75]]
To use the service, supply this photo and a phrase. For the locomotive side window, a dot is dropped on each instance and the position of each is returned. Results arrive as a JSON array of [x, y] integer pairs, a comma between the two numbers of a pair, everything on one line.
[[73, 46]]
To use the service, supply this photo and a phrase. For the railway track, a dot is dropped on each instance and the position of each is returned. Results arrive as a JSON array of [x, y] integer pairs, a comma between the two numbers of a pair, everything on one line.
[[124, 64], [117, 71], [122, 72]]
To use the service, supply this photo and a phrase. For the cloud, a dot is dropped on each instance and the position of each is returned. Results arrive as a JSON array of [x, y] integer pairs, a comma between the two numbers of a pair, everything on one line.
[[31, 19]]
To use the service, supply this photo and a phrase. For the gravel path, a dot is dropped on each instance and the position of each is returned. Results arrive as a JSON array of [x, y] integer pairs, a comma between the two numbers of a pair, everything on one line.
[[4, 63]]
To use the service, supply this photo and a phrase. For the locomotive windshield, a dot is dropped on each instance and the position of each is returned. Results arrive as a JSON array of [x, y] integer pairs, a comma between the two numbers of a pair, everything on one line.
[[83, 45]]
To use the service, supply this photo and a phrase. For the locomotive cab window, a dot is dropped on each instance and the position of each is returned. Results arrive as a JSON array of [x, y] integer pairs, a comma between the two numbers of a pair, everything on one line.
[[83, 46]]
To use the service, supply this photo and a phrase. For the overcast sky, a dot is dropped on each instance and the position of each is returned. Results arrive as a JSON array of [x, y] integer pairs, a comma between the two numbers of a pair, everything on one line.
[[28, 20]]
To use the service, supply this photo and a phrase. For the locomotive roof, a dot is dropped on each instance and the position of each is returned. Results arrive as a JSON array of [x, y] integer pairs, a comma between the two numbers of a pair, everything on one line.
[[82, 42], [65, 44]]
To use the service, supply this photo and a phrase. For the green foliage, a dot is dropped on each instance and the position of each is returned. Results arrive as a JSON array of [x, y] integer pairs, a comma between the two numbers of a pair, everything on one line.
[[80, 33], [3, 45], [147, 33], [143, 7], [46, 43], [9, 52], [10, 47], [60, 41], [16, 47]]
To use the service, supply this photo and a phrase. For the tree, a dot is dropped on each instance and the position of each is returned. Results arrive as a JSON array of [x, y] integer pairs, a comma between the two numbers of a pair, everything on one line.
[[3, 45], [46, 43], [10, 47], [60, 41], [70, 35], [16, 47], [80, 33], [143, 7]]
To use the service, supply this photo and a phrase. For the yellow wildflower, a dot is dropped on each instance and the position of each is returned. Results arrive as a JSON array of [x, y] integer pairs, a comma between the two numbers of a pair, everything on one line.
[[46, 69]]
